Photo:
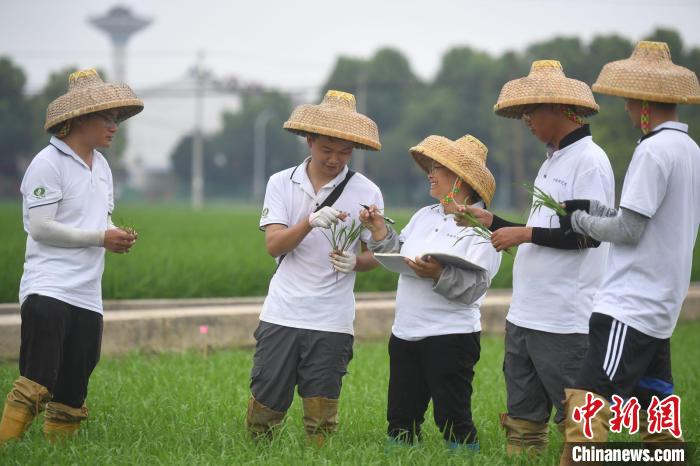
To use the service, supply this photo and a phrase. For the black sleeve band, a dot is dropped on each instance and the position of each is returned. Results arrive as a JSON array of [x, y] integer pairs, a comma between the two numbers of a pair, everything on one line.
[[498, 222], [555, 238]]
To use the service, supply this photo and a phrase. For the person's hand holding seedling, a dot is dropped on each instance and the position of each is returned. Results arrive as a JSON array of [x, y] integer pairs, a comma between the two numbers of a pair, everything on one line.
[[483, 216], [120, 240], [326, 217]]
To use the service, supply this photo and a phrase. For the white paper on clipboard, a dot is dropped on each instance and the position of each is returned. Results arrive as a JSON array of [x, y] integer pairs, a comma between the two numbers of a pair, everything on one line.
[[397, 262]]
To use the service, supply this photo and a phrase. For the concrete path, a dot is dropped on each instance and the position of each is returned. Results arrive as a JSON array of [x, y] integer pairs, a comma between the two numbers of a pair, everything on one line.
[[175, 325]]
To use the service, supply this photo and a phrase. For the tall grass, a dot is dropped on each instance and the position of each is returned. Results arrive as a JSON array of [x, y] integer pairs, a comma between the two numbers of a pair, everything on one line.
[[187, 409]]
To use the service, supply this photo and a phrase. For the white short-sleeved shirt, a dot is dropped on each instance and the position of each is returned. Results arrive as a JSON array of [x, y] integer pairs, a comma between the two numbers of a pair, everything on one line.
[[85, 201], [306, 292], [420, 311], [645, 284], [553, 289]]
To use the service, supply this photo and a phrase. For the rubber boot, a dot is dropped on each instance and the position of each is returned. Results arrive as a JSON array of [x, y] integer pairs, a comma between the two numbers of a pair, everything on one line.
[[320, 419], [62, 421], [658, 440], [524, 437], [26, 399], [573, 431], [261, 420]]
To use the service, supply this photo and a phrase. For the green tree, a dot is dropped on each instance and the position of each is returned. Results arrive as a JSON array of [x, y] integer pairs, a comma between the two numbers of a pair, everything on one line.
[[15, 123]]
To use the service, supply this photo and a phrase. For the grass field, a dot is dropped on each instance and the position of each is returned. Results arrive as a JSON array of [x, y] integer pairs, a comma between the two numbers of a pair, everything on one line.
[[217, 252], [187, 409]]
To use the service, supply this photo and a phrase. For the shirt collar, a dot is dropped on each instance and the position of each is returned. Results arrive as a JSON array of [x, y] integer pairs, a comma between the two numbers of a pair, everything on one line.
[[300, 176], [65, 149], [569, 140], [673, 125]]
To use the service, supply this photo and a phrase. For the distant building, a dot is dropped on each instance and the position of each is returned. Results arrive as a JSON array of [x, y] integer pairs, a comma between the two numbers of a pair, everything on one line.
[[168, 116]]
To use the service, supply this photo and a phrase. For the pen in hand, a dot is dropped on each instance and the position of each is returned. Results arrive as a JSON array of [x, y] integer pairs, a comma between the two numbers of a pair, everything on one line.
[[388, 220]]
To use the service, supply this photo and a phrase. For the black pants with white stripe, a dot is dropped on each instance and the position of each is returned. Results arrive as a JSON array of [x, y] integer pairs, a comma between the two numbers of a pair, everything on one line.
[[623, 361]]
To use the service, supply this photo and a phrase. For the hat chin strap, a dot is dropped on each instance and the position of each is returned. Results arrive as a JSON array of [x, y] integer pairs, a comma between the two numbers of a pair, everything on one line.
[[571, 115], [644, 123]]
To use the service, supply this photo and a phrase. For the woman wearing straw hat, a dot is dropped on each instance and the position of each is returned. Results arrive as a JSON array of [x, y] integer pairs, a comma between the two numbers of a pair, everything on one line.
[[654, 229], [67, 204], [434, 344], [555, 276], [305, 334]]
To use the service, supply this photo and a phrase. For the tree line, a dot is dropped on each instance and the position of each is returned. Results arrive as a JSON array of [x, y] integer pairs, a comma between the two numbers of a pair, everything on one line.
[[458, 100]]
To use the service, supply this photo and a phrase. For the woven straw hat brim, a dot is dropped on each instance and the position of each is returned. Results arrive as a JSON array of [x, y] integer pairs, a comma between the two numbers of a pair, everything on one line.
[[106, 96], [634, 80], [337, 123], [467, 166], [516, 95], [545, 84]]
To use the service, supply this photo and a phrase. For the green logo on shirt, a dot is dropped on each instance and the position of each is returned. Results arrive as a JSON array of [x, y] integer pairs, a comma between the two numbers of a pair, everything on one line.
[[40, 192], [265, 212]]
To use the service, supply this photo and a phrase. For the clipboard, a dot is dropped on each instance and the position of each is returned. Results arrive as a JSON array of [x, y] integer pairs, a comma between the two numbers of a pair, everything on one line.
[[397, 263]]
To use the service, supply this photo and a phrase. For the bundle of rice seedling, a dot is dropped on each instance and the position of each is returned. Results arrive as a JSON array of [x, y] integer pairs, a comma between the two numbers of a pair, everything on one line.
[[543, 199], [343, 235], [477, 229]]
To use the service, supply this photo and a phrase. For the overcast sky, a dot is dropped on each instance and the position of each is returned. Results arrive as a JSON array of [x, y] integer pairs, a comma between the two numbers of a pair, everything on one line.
[[293, 44]]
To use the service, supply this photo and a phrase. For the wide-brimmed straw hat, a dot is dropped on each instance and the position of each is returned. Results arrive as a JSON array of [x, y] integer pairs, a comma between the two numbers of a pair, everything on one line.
[[87, 93], [465, 157], [336, 116], [546, 84], [649, 74]]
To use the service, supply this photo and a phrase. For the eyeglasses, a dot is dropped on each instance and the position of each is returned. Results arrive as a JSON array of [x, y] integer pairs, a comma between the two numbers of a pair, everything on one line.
[[434, 166], [110, 120]]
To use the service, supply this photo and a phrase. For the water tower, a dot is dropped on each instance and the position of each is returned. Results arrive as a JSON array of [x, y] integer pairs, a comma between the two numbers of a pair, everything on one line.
[[120, 24]]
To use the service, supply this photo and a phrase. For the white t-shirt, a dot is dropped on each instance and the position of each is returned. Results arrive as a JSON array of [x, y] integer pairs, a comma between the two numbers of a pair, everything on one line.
[[645, 284], [306, 292], [553, 289], [420, 311], [85, 201]]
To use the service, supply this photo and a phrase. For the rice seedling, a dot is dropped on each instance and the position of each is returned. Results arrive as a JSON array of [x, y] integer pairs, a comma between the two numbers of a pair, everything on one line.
[[543, 199], [477, 229], [343, 235]]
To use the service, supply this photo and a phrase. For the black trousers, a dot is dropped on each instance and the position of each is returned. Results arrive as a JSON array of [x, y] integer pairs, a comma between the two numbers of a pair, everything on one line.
[[623, 361], [60, 347], [440, 368]]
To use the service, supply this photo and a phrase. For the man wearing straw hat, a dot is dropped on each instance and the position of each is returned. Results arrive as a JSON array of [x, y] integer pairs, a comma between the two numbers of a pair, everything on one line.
[[435, 339], [653, 234], [305, 334], [555, 276], [67, 205]]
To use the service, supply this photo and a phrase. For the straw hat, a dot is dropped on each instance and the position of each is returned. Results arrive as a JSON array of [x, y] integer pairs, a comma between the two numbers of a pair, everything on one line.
[[649, 74], [465, 157], [87, 93], [337, 117], [546, 84]]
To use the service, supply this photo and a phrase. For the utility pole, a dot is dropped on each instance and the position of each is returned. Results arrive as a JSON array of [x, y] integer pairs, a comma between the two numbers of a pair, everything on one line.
[[197, 142], [359, 155], [259, 153]]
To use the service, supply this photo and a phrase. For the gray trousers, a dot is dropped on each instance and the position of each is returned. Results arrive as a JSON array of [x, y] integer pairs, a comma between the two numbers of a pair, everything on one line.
[[285, 357], [538, 366]]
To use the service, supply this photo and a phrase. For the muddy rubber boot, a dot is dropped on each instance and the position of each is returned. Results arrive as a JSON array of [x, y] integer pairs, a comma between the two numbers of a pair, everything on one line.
[[26, 399], [62, 421], [320, 419]]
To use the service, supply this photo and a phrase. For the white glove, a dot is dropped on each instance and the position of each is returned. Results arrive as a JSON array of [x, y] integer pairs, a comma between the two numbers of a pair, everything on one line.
[[324, 218], [344, 262]]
